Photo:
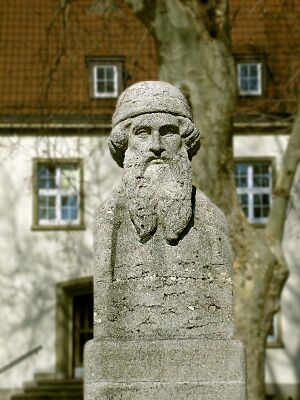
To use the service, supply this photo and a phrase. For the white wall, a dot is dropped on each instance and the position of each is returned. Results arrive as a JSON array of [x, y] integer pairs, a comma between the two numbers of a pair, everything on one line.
[[283, 364], [32, 262]]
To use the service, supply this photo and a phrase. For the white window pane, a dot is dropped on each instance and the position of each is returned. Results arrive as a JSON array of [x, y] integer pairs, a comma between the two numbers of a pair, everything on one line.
[[266, 181], [69, 209], [241, 181], [73, 213], [243, 70], [69, 213], [65, 214], [257, 181], [51, 214], [241, 175], [265, 212], [241, 168], [262, 175], [46, 177], [110, 87], [265, 168], [51, 201], [101, 87], [43, 171], [253, 84], [100, 73], [261, 205], [42, 213], [42, 201], [69, 178], [253, 70], [110, 73], [69, 201], [244, 85]]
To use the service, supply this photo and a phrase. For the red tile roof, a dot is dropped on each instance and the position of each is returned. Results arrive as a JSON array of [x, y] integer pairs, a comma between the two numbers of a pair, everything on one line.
[[270, 28], [44, 45], [43, 49]]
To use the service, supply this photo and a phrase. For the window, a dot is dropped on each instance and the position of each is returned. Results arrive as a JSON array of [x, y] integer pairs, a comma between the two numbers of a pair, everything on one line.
[[249, 78], [254, 189], [105, 77], [58, 197], [274, 338]]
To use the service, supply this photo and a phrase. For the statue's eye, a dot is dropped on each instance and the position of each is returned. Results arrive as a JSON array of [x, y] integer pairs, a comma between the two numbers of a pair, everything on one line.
[[144, 130], [169, 130]]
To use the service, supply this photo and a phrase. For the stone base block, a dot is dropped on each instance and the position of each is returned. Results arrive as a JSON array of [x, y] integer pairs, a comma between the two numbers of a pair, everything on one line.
[[185, 369]]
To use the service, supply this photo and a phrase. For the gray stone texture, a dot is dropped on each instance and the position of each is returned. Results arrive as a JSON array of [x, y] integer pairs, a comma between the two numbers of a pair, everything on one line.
[[161, 369], [154, 289], [163, 318]]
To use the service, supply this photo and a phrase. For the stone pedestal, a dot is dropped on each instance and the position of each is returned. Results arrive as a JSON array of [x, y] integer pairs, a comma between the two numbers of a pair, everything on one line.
[[181, 369]]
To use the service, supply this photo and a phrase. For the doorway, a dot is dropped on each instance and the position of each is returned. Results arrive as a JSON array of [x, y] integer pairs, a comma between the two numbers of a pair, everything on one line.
[[74, 325], [82, 329]]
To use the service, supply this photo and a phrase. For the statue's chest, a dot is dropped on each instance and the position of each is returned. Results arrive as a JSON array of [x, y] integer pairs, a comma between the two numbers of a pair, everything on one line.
[[161, 290]]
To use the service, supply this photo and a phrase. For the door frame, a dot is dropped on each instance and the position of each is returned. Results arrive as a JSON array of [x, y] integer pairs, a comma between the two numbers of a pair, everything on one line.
[[65, 291]]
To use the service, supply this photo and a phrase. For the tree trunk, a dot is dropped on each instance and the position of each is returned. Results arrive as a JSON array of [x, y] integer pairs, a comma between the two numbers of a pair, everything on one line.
[[193, 45]]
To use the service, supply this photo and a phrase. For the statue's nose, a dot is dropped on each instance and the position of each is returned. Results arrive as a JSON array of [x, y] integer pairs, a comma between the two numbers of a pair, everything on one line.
[[155, 144]]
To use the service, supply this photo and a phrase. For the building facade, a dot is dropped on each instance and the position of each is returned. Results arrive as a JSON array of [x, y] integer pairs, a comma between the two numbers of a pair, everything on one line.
[[62, 66]]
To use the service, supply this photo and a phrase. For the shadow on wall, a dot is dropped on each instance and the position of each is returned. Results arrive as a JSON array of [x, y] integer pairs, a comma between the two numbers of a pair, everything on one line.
[[31, 265], [287, 375]]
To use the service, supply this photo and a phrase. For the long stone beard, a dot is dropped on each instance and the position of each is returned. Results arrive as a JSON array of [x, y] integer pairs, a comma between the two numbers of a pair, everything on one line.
[[159, 194]]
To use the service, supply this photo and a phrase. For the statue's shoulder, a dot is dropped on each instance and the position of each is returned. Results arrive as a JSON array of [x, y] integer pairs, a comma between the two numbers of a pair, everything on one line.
[[210, 218], [208, 213], [107, 211]]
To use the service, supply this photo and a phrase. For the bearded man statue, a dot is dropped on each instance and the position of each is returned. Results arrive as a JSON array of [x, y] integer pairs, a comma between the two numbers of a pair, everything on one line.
[[163, 291]]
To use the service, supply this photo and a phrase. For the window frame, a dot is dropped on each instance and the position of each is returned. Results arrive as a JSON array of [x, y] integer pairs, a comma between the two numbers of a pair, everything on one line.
[[106, 94], [249, 92], [117, 63], [258, 222], [58, 225], [275, 341], [257, 59]]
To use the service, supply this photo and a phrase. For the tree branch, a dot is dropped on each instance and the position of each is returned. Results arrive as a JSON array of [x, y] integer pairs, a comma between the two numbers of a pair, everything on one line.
[[281, 192], [144, 9]]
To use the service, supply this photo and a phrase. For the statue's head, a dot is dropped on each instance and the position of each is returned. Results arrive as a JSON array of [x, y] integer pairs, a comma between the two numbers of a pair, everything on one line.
[[153, 117], [154, 138]]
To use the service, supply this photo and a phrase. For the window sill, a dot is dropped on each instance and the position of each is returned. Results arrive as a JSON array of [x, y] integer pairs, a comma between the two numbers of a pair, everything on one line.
[[276, 344], [105, 96], [58, 227], [243, 95]]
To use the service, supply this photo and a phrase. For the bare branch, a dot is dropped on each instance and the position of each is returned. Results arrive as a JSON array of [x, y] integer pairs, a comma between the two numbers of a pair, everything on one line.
[[275, 225]]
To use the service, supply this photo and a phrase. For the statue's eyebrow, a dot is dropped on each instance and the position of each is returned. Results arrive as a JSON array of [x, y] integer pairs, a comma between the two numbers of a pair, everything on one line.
[[137, 127], [167, 128]]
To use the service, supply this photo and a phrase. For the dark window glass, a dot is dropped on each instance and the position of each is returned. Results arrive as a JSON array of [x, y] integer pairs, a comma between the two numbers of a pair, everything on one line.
[[100, 73]]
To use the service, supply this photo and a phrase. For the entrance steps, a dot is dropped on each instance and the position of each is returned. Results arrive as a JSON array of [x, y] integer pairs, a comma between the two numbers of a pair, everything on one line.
[[45, 387]]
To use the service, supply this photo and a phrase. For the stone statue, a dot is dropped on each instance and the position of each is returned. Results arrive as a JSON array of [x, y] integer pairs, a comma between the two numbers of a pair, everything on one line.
[[163, 322]]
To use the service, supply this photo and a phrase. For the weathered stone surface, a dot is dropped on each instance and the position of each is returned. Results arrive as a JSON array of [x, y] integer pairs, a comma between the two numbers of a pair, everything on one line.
[[166, 391], [181, 360], [163, 323], [163, 369], [154, 289]]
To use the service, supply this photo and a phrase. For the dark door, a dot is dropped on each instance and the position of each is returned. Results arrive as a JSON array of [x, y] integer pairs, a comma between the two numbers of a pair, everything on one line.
[[82, 329]]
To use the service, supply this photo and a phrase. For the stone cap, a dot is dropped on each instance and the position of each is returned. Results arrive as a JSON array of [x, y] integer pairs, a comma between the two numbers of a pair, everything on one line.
[[150, 97]]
